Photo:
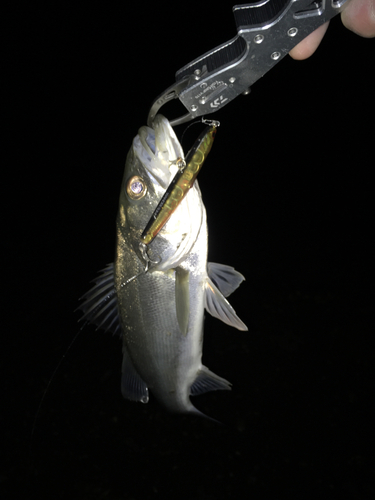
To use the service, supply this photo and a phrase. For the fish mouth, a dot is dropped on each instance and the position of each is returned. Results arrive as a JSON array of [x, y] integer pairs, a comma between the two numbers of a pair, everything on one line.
[[158, 149]]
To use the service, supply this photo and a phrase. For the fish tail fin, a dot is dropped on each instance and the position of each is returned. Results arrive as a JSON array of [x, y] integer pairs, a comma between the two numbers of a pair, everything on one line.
[[206, 381], [194, 411]]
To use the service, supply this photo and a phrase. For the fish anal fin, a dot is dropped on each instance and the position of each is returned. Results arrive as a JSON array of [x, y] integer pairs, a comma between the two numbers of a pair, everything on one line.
[[218, 306], [132, 385], [207, 381]]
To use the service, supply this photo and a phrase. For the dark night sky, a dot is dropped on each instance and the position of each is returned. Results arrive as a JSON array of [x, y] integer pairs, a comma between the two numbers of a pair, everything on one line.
[[290, 204]]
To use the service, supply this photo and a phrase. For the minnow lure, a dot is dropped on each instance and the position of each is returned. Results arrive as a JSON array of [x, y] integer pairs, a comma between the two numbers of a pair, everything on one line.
[[188, 170]]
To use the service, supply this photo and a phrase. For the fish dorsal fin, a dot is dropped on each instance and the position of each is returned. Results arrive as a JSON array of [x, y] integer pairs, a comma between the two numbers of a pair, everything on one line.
[[207, 381], [132, 385], [99, 304], [182, 299], [218, 306], [226, 278]]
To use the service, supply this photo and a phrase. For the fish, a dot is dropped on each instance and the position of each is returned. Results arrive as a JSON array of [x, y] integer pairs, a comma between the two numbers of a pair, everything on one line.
[[155, 299]]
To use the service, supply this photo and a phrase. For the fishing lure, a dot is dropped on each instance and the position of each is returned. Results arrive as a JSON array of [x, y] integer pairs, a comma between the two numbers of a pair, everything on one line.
[[188, 170]]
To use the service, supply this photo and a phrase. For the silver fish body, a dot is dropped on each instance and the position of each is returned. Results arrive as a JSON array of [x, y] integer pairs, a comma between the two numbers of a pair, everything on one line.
[[160, 313]]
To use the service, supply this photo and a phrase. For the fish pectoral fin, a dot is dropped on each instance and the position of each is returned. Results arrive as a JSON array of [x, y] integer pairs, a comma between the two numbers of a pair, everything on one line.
[[100, 302], [218, 306], [132, 385], [207, 381], [226, 278], [182, 299]]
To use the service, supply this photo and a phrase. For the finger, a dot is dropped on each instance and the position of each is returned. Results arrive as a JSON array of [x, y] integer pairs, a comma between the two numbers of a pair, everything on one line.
[[359, 16], [308, 46]]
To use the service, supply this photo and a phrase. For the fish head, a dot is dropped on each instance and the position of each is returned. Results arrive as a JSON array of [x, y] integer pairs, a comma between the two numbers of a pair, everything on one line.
[[150, 167]]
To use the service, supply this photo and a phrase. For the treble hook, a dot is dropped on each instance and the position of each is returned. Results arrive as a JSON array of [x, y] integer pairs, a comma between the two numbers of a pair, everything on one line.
[[143, 249]]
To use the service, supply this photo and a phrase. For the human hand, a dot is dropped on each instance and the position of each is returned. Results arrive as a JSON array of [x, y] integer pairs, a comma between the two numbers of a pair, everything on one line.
[[358, 16]]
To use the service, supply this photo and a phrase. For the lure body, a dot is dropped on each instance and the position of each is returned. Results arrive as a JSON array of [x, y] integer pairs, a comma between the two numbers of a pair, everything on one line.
[[181, 183]]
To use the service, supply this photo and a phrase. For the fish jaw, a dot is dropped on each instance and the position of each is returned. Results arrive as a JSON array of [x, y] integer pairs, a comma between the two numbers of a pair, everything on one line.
[[158, 149]]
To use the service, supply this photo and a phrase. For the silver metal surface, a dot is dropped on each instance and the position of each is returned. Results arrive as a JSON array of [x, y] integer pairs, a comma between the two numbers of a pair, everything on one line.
[[267, 31]]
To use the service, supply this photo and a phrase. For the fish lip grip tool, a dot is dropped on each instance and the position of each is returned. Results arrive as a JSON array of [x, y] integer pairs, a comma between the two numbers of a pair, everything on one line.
[[266, 31]]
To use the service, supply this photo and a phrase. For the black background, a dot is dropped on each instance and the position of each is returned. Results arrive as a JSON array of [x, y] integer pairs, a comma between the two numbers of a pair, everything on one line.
[[289, 195]]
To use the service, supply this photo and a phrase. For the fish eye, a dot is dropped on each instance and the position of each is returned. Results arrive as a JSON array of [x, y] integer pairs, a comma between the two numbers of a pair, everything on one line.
[[136, 187]]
